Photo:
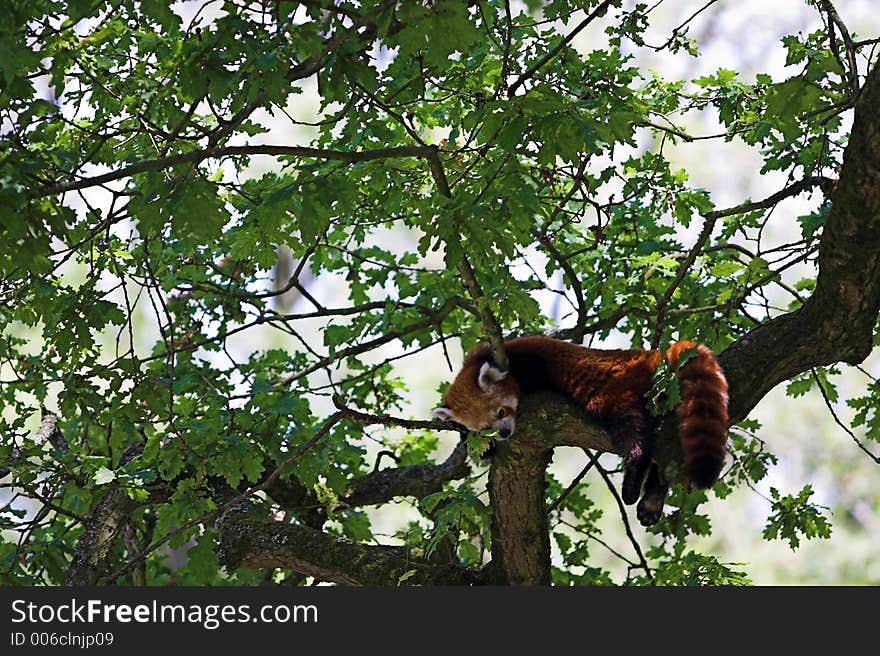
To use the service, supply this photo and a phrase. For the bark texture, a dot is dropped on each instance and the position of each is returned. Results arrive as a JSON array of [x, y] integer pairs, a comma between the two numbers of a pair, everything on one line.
[[249, 542], [408, 481], [101, 529], [520, 532]]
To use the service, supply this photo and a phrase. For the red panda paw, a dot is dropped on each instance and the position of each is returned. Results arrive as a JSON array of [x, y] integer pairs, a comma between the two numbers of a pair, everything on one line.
[[650, 508], [635, 469]]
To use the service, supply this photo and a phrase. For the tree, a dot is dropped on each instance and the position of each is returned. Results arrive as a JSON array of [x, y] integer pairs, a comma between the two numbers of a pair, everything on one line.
[[179, 370]]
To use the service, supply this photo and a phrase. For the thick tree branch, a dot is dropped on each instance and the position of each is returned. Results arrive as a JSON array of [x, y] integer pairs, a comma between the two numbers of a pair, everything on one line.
[[409, 481], [50, 432], [293, 496], [520, 528], [102, 527], [546, 420], [101, 530], [249, 542]]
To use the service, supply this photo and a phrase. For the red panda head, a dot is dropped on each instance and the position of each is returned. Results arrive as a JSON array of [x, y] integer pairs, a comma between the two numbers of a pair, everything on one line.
[[481, 396]]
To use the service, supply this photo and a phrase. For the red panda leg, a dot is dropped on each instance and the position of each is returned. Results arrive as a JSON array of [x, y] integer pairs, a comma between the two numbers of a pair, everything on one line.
[[632, 432], [650, 507]]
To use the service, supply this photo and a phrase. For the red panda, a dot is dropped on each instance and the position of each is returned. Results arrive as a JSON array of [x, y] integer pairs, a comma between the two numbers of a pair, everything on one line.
[[610, 385]]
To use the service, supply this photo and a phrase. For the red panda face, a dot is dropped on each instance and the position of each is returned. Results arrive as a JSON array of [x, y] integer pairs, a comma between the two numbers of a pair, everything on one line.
[[482, 396]]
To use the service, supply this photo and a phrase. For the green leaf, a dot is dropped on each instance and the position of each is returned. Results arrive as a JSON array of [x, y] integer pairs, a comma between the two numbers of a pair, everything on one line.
[[104, 476], [406, 576], [161, 12], [356, 526], [202, 565], [799, 385], [795, 515]]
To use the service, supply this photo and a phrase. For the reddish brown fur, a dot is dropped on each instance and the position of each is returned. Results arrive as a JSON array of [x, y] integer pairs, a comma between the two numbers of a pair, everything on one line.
[[701, 414], [610, 385], [472, 404]]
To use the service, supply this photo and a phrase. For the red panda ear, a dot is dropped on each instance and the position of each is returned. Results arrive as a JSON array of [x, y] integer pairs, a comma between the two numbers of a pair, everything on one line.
[[489, 375], [443, 413]]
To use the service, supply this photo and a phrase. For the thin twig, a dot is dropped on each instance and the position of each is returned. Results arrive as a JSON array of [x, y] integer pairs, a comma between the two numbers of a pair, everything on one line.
[[679, 276], [635, 544], [469, 279], [195, 156], [594, 458], [388, 420], [538, 65], [710, 220], [837, 420], [850, 47]]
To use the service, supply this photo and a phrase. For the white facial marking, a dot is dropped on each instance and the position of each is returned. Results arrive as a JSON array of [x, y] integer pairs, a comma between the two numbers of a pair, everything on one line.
[[444, 414], [489, 375]]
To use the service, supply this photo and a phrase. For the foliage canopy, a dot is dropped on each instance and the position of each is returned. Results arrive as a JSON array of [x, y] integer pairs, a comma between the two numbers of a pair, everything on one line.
[[210, 320]]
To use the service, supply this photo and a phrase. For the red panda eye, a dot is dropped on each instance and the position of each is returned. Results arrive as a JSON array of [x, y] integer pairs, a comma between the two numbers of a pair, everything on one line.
[[501, 413]]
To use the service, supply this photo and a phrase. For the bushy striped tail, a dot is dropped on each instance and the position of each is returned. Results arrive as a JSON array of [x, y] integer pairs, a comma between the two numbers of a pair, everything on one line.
[[702, 413]]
